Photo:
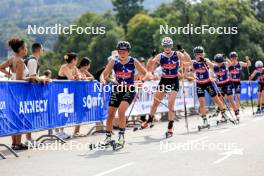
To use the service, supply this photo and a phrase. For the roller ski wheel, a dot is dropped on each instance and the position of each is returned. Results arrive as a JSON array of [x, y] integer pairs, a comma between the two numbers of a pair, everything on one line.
[[203, 127], [117, 145], [136, 128], [101, 145], [169, 133], [223, 120], [258, 113]]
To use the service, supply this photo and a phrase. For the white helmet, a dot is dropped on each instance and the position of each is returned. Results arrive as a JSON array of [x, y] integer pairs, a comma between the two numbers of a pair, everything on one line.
[[259, 64], [166, 41]]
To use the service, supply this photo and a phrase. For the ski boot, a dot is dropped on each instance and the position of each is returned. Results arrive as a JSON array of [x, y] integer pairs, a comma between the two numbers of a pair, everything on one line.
[[205, 124], [169, 133], [262, 109], [119, 144], [258, 112], [104, 144]]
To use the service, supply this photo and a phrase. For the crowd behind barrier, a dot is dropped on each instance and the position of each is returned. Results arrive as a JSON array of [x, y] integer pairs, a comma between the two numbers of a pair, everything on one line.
[[27, 107]]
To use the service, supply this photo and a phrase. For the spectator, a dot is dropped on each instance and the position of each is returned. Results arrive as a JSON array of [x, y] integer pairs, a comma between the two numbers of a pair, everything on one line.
[[18, 71], [47, 75], [84, 69], [69, 71], [33, 67]]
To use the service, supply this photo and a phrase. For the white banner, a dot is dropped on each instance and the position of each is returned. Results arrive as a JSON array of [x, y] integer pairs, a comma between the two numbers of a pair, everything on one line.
[[144, 99]]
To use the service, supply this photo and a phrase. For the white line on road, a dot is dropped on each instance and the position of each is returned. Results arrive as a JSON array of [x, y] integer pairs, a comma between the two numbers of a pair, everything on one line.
[[114, 169], [255, 120], [235, 127], [229, 154], [226, 130]]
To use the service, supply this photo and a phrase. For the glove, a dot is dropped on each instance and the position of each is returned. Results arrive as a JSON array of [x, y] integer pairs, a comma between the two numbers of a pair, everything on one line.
[[179, 47], [202, 59]]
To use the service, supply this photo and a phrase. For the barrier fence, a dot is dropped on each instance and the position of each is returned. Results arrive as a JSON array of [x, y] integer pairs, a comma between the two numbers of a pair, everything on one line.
[[27, 107]]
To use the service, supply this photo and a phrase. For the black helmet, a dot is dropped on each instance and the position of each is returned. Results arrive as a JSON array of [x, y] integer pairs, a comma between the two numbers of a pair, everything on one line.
[[219, 58], [198, 49], [233, 54], [123, 45]]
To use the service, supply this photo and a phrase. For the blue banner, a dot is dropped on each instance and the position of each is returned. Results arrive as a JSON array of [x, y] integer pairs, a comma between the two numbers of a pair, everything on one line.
[[26, 107]]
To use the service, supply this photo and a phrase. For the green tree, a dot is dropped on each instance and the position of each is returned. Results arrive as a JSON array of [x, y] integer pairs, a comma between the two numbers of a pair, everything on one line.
[[96, 47], [258, 7], [125, 10], [142, 30]]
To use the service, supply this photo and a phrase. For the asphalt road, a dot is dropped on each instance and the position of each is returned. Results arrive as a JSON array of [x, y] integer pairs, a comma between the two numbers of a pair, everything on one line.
[[230, 150]]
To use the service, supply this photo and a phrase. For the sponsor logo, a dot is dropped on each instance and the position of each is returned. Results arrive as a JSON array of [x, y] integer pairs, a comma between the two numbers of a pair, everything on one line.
[[65, 102]]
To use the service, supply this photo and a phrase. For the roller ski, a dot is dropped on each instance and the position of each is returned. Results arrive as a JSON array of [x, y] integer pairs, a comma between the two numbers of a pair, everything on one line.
[[259, 112], [205, 124], [225, 119], [108, 142], [169, 133], [144, 125], [120, 143]]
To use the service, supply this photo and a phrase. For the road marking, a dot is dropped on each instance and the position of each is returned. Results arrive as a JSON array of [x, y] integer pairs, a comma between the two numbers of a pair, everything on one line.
[[257, 119], [229, 154], [187, 143], [226, 130], [114, 169], [235, 127]]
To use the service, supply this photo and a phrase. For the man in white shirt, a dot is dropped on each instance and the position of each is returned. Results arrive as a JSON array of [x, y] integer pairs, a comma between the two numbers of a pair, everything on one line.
[[32, 61], [32, 64]]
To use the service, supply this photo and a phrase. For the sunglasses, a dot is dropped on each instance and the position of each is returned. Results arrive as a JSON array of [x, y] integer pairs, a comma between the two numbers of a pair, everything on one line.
[[167, 46]]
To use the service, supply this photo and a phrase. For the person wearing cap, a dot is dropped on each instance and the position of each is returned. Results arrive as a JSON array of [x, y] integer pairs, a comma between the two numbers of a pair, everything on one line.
[[170, 62], [234, 70], [123, 92], [259, 73]]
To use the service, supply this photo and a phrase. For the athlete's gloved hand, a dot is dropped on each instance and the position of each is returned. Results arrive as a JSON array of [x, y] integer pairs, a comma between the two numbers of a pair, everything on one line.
[[179, 47], [202, 59]]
